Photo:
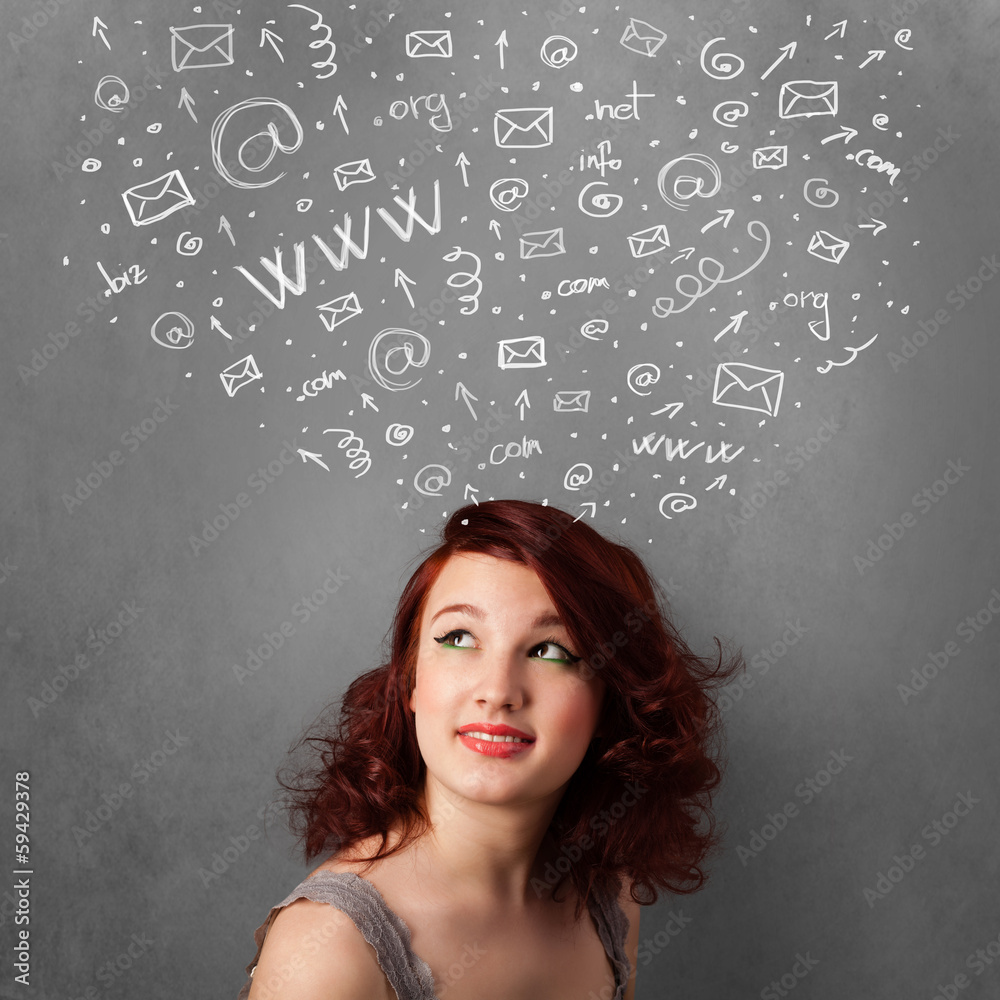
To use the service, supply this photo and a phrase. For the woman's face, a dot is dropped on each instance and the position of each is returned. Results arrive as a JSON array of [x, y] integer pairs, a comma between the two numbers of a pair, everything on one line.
[[494, 653]]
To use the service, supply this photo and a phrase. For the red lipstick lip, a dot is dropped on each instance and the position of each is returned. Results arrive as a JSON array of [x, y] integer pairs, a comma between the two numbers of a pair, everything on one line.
[[494, 730]]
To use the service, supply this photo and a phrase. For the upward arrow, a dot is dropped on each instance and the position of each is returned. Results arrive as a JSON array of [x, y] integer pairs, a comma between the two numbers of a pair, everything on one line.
[[787, 51], [502, 43], [187, 103], [402, 279], [338, 109], [100, 27], [463, 162], [466, 396]]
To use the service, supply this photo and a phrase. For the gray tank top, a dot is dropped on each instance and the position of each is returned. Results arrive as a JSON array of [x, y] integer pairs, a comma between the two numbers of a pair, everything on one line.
[[386, 932]]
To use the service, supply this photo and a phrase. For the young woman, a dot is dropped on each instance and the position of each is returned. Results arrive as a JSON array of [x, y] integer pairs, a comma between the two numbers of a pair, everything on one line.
[[534, 761]]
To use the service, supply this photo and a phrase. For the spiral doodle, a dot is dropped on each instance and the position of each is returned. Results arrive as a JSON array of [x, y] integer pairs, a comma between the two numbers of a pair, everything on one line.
[[508, 193], [359, 456], [685, 186], [819, 196], [433, 482], [303, 204], [173, 330], [573, 479], [470, 279], [380, 360], [90, 165], [735, 111], [639, 376], [679, 502], [398, 434], [115, 101], [726, 70], [902, 37], [191, 246], [881, 122], [604, 205]]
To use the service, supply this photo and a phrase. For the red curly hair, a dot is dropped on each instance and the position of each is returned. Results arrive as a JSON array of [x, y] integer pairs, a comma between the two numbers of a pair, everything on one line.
[[661, 740]]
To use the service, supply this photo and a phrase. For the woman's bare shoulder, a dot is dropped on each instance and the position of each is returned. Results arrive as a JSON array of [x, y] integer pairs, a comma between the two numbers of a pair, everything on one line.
[[315, 950]]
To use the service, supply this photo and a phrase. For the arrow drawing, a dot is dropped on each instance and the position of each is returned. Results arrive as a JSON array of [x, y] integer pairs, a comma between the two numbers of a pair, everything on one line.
[[502, 43], [216, 325], [402, 279], [466, 396], [675, 407], [99, 28], [187, 103], [523, 402], [463, 162], [495, 226], [734, 326], [872, 54], [338, 109], [787, 51], [318, 459], [471, 490], [593, 510], [842, 25], [224, 224], [367, 400], [270, 36], [847, 135], [725, 216]]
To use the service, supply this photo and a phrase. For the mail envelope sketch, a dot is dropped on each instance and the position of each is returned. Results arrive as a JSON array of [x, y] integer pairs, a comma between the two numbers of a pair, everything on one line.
[[770, 158], [547, 243], [649, 241], [826, 246], [421, 44], [524, 352], [355, 172], [523, 128], [156, 199], [642, 37], [339, 310], [807, 98], [747, 387], [201, 46], [571, 401], [240, 374]]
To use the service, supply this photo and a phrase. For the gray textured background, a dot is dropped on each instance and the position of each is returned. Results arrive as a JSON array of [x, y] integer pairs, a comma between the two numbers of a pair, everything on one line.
[[142, 871]]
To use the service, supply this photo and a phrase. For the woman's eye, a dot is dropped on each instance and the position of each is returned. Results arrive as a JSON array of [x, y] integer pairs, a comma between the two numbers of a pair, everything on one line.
[[553, 651], [457, 637]]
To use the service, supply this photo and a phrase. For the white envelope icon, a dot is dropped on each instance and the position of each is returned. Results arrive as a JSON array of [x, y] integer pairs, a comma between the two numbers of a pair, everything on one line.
[[355, 172], [240, 374], [642, 37], [807, 98], [523, 128], [420, 44], [826, 246], [548, 243], [748, 387], [157, 199], [649, 241], [339, 310], [770, 158], [571, 401], [201, 46], [524, 352]]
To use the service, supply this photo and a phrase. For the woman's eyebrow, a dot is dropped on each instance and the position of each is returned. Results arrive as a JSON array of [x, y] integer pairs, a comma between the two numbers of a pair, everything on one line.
[[548, 620]]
